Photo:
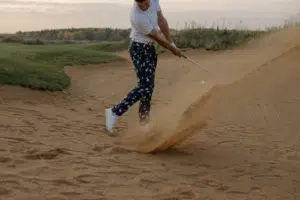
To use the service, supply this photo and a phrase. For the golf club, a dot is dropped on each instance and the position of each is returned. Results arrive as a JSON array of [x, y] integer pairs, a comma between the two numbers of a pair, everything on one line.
[[191, 60], [194, 62]]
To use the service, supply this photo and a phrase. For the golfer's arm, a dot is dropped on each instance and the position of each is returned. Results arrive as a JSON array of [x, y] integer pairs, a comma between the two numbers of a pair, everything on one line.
[[164, 26], [161, 40]]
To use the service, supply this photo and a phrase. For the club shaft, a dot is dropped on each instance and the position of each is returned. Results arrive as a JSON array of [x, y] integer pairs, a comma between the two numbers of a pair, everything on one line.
[[191, 60]]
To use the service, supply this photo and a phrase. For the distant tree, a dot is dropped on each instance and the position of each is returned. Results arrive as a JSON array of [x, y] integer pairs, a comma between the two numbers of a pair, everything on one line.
[[60, 35], [78, 35], [89, 35]]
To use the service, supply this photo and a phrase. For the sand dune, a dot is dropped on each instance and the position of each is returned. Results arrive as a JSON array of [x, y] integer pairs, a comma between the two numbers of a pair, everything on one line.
[[243, 136]]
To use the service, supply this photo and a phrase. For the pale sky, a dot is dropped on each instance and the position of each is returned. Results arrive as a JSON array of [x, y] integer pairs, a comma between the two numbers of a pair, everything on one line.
[[41, 14]]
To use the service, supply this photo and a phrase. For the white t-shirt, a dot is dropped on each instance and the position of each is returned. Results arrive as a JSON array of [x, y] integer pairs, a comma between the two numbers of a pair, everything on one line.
[[142, 22]]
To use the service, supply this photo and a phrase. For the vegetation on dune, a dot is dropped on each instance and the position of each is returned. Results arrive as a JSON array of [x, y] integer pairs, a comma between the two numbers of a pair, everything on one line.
[[213, 39], [36, 59]]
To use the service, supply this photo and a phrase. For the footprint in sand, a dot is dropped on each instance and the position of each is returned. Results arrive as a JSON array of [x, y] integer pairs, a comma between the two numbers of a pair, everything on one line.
[[5, 159], [47, 155], [4, 191]]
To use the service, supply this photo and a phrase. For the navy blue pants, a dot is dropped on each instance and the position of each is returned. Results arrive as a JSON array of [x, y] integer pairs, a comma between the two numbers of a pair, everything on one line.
[[144, 58]]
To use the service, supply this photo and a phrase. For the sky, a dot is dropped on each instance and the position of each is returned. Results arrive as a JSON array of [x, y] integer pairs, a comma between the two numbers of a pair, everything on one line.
[[27, 15]]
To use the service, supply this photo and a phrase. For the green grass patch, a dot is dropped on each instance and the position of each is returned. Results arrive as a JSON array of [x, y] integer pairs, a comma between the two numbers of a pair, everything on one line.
[[109, 46], [41, 67]]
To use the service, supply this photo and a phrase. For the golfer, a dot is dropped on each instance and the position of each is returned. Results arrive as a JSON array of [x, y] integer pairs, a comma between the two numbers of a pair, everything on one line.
[[148, 25]]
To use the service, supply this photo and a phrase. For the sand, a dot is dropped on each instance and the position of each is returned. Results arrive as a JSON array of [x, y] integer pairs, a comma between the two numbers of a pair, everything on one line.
[[234, 137]]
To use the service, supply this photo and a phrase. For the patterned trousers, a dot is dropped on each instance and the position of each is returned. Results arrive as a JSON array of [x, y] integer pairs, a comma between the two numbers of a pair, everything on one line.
[[144, 58]]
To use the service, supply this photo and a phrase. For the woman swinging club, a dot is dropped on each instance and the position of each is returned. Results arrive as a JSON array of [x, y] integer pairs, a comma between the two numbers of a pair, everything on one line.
[[147, 25]]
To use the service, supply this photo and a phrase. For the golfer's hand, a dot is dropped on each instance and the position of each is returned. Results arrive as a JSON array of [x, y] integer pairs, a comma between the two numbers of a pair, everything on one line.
[[177, 52]]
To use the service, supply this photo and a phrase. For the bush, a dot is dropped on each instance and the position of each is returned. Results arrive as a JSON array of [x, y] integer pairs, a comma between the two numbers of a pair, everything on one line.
[[33, 42], [12, 39]]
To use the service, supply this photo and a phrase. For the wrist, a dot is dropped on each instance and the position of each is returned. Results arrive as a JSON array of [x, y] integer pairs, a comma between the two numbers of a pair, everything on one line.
[[173, 44], [173, 47]]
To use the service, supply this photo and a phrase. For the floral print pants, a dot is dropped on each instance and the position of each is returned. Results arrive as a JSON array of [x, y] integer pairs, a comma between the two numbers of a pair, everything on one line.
[[144, 58]]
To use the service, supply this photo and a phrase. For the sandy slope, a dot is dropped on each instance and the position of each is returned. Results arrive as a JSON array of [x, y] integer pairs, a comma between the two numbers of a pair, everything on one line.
[[53, 146]]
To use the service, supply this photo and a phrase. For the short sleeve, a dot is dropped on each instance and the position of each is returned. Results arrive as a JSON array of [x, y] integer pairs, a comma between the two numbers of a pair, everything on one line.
[[143, 25], [158, 8]]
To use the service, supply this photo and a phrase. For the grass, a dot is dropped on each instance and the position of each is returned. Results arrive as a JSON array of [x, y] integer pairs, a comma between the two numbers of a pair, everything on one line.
[[38, 64], [41, 66], [109, 46]]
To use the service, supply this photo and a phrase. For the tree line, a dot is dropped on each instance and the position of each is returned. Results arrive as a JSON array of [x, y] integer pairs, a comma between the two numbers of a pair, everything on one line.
[[190, 37], [75, 34]]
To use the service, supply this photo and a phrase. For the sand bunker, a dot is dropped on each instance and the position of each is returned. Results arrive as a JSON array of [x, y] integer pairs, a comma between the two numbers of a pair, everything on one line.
[[236, 137]]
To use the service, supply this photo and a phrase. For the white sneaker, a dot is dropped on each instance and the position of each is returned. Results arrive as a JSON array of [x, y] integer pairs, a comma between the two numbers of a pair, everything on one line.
[[111, 120]]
